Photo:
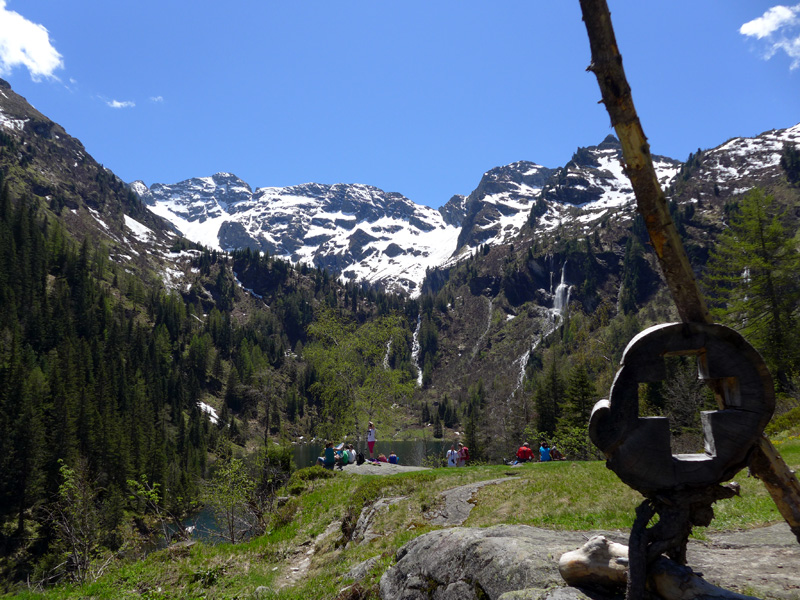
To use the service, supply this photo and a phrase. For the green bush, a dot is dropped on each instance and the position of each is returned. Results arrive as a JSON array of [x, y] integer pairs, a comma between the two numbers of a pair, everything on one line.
[[295, 488], [787, 420], [310, 474]]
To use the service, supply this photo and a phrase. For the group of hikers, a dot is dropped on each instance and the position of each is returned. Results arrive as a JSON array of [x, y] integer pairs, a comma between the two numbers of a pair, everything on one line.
[[457, 458], [345, 454], [546, 454]]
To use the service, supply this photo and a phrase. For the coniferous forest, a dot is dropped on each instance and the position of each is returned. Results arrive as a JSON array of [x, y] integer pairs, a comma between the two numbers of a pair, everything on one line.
[[104, 378]]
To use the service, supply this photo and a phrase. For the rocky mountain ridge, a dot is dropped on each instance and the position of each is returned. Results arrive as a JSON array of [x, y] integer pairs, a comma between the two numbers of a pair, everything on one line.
[[383, 238]]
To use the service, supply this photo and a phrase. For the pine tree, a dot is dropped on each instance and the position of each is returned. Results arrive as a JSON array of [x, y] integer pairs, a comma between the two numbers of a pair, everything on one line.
[[548, 400], [632, 267], [753, 281], [437, 427], [580, 395], [790, 163]]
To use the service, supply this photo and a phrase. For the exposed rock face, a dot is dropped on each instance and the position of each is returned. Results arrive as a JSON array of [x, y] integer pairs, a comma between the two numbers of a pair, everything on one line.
[[476, 563], [501, 204], [595, 175], [455, 210], [363, 533]]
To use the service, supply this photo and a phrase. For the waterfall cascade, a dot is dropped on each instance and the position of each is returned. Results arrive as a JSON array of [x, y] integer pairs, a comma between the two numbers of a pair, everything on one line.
[[386, 356], [560, 303], [415, 348], [561, 297], [479, 343]]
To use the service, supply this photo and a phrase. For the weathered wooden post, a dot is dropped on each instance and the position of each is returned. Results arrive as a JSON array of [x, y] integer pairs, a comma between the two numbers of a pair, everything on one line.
[[763, 459]]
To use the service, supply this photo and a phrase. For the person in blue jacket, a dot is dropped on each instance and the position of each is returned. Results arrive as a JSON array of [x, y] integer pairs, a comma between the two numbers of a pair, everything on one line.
[[328, 459], [544, 452]]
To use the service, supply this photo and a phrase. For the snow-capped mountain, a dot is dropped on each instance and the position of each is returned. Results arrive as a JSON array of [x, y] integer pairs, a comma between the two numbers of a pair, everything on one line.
[[384, 238], [736, 166], [582, 192], [500, 205], [360, 231]]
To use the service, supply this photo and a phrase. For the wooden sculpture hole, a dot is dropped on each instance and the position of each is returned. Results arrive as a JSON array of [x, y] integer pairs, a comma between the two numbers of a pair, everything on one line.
[[681, 397]]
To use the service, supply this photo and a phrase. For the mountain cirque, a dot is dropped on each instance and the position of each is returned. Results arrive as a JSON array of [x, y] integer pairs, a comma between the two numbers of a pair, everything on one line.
[[383, 238]]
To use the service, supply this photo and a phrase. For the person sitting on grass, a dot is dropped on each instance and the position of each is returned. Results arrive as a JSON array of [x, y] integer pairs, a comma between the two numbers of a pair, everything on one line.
[[382, 458], [525, 454], [544, 452], [393, 458]]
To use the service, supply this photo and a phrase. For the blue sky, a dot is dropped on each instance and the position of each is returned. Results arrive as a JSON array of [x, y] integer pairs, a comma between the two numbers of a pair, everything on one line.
[[413, 97]]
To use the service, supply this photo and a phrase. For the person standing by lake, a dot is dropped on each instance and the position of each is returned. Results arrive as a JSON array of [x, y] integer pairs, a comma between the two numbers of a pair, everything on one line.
[[452, 456], [463, 455], [371, 437]]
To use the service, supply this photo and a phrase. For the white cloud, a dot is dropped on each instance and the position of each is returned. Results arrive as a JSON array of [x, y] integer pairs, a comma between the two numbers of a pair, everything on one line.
[[26, 44], [119, 104], [156, 98], [779, 27]]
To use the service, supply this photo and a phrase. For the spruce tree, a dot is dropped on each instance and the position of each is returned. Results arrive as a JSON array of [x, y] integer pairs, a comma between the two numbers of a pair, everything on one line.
[[437, 427], [548, 400], [753, 283], [580, 396], [790, 163]]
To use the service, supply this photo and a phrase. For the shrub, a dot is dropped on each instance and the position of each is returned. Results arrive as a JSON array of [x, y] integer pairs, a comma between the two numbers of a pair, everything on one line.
[[787, 420]]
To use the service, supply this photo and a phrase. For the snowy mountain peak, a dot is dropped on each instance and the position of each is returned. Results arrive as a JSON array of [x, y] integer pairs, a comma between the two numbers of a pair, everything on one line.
[[358, 230]]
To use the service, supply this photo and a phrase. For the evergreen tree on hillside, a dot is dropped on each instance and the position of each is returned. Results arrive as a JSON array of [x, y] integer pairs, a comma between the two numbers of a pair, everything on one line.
[[632, 268], [548, 399], [790, 163], [473, 437], [580, 396], [753, 278]]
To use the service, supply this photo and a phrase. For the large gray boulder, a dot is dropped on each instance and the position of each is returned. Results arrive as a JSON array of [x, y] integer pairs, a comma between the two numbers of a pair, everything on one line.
[[467, 564]]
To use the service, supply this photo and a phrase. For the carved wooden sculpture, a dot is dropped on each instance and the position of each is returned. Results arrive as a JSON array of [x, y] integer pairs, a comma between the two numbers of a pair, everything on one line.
[[766, 463], [681, 488], [638, 448]]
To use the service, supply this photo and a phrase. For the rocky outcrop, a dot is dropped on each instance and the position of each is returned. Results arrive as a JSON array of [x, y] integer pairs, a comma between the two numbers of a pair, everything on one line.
[[500, 205], [467, 564], [508, 562], [363, 532], [595, 174]]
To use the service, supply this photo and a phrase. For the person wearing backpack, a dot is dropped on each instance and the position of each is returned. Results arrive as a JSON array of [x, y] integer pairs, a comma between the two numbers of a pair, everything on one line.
[[463, 455]]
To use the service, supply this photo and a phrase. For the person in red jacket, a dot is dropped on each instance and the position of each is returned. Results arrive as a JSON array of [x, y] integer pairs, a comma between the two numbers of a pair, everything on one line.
[[525, 454]]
